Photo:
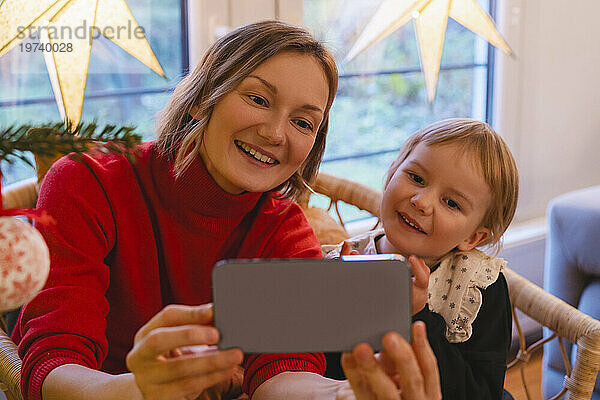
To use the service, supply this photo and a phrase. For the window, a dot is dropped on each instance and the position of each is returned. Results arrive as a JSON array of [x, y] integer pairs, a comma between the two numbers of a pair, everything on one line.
[[382, 98], [119, 88]]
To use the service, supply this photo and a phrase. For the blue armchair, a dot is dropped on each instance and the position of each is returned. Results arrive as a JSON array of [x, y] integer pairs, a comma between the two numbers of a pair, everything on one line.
[[572, 270]]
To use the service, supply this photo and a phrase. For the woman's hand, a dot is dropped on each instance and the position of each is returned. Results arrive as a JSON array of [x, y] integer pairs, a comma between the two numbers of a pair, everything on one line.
[[420, 283], [163, 371], [402, 372]]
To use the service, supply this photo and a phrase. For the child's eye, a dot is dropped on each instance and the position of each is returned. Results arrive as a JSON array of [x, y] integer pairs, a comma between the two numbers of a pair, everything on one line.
[[416, 178], [452, 204], [258, 100], [304, 124]]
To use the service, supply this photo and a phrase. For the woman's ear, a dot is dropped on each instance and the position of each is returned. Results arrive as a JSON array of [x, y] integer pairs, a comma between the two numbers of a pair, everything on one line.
[[479, 236], [195, 112]]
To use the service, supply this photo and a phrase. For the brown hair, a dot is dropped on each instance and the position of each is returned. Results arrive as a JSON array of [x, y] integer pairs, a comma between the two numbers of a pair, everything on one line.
[[492, 155], [224, 65]]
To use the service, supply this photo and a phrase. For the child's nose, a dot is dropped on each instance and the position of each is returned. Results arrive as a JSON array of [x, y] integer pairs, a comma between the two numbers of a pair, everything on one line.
[[421, 202]]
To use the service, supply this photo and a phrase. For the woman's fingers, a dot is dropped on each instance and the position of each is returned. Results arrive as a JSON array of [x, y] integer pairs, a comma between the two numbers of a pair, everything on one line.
[[367, 377], [427, 361], [407, 367], [381, 385], [171, 357], [176, 315], [416, 365], [174, 369], [355, 377], [190, 387], [162, 340]]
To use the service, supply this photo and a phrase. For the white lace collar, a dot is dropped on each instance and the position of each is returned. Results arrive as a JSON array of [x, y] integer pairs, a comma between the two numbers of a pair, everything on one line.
[[454, 289]]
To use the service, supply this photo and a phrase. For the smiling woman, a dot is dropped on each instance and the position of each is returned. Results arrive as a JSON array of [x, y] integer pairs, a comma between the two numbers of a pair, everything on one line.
[[240, 136]]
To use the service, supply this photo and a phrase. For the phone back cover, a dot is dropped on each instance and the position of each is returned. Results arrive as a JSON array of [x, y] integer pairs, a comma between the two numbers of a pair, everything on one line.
[[310, 305]]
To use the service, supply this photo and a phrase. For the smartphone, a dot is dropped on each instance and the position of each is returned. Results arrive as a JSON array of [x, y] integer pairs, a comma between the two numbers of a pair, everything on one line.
[[311, 305]]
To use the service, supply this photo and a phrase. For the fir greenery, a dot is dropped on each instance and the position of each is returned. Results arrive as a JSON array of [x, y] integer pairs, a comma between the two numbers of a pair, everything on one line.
[[47, 140]]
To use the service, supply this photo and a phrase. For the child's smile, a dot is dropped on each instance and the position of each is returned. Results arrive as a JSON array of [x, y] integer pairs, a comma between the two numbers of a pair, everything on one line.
[[411, 224]]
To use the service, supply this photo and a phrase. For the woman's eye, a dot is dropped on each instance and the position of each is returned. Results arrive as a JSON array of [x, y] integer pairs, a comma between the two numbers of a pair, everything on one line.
[[452, 204], [258, 100], [416, 178], [304, 124]]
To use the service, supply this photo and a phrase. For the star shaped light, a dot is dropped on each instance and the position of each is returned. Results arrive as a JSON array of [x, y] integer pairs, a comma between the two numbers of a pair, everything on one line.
[[431, 18], [68, 68]]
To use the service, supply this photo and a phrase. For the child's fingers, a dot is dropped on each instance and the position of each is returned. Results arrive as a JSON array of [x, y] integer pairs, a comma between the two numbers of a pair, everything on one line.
[[420, 271], [347, 249]]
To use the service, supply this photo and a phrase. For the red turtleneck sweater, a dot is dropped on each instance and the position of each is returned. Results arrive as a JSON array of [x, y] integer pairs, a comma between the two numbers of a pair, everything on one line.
[[131, 239]]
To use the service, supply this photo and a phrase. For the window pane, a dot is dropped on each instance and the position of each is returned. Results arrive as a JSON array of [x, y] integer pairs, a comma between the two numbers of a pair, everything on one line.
[[378, 112], [23, 79], [139, 110], [382, 97]]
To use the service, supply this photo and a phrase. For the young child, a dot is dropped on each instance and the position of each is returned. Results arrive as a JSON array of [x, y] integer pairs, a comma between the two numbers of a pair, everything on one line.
[[452, 189]]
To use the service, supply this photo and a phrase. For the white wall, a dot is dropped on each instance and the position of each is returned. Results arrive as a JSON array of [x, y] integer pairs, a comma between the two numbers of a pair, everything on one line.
[[548, 96]]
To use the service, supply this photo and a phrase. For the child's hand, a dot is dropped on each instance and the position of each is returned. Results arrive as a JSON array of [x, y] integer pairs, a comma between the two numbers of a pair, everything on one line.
[[420, 283], [346, 250]]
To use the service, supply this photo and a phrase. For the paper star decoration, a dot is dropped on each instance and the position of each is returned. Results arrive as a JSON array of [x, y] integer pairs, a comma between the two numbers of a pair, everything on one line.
[[431, 18], [68, 68]]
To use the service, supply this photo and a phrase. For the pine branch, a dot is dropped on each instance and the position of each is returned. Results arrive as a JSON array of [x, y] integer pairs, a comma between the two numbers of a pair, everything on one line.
[[58, 138]]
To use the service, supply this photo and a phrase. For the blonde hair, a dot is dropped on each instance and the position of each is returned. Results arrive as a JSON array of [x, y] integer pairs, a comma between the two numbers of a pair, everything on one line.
[[224, 65], [494, 158]]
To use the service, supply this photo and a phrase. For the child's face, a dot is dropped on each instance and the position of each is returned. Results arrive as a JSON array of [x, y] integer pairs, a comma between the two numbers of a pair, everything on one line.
[[435, 202]]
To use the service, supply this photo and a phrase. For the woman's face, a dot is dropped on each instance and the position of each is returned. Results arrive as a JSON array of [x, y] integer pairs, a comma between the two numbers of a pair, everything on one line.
[[261, 132]]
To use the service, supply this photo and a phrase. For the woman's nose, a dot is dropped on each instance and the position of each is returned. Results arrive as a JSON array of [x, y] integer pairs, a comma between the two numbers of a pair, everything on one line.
[[274, 131], [421, 202]]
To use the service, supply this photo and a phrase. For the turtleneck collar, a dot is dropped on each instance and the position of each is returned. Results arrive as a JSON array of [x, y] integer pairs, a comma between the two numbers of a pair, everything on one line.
[[197, 191]]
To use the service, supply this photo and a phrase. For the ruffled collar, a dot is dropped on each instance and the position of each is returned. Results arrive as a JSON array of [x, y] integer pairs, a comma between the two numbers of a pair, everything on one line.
[[455, 289]]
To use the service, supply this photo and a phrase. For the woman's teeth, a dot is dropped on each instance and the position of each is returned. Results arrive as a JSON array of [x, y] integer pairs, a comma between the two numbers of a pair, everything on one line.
[[411, 224], [255, 154]]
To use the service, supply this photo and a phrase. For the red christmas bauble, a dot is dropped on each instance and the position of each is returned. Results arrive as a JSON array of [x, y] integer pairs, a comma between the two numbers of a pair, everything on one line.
[[24, 262]]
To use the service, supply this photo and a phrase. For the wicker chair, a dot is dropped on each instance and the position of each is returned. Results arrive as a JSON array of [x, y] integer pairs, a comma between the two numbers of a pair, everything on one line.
[[565, 321]]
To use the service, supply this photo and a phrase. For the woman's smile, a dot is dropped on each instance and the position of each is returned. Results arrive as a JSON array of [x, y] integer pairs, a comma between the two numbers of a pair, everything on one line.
[[256, 155], [262, 132]]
